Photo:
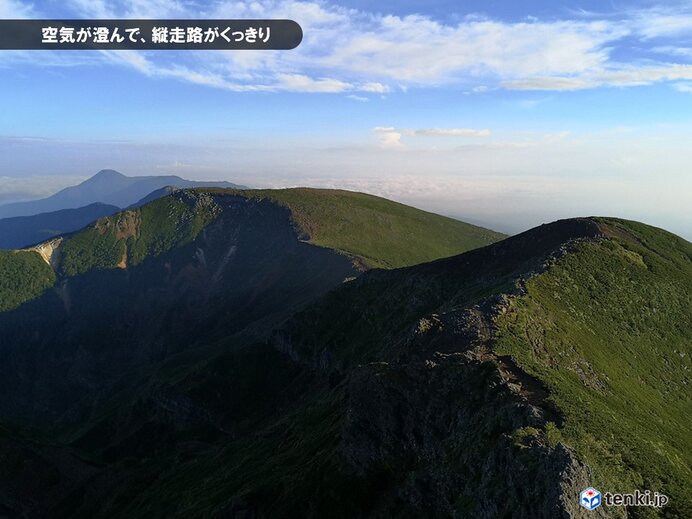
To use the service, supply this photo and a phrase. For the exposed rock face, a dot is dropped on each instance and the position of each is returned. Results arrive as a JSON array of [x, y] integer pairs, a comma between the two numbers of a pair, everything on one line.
[[457, 434], [49, 251], [440, 424]]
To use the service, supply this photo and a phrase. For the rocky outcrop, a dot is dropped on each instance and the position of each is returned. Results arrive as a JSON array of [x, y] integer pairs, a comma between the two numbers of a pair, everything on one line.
[[452, 438], [438, 422], [49, 251]]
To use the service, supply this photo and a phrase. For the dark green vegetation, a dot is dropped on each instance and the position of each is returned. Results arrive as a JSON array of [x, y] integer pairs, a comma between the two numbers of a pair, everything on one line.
[[25, 276], [22, 231], [199, 362], [184, 269], [132, 236]]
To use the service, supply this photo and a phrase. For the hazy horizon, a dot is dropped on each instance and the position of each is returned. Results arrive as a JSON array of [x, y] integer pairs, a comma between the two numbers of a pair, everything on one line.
[[493, 219], [476, 111]]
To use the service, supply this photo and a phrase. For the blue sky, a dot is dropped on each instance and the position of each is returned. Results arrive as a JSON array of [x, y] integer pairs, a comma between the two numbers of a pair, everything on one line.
[[507, 113]]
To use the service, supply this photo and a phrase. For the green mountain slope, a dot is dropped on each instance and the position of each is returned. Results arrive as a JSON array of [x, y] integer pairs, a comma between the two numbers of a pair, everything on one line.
[[588, 321], [374, 231], [132, 236], [379, 232], [24, 276], [115, 299], [608, 330], [497, 383]]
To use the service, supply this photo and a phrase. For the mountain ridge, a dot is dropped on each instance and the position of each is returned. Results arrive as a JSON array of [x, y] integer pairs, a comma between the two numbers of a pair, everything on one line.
[[183, 258], [308, 206], [554, 365], [455, 387], [106, 186], [24, 231]]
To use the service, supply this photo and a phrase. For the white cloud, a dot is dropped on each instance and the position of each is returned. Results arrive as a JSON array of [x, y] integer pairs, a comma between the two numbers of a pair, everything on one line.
[[625, 77], [155, 8], [660, 22], [375, 88], [418, 50], [28, 187], [549, 83], [389, 138], [683, 87], [349, 51], [10, 9], [358, 98], [451, 132], [303, 83], [132, 8], [672, 50]]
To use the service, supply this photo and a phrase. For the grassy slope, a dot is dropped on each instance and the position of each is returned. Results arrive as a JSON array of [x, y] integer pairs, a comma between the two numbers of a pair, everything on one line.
[[380, 232], [25, 276], [375, 231], [608, 329]]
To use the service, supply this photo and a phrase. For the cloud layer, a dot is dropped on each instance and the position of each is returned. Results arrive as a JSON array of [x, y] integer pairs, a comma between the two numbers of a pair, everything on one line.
[[359, 53], [16, 189]]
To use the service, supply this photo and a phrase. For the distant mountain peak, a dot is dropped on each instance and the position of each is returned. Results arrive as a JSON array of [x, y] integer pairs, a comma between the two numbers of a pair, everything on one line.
[[107, 186], [107, 177], [108, 174]]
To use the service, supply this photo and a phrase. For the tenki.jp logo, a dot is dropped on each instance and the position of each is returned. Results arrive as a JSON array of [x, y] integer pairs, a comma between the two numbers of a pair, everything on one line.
[[590, 498]]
